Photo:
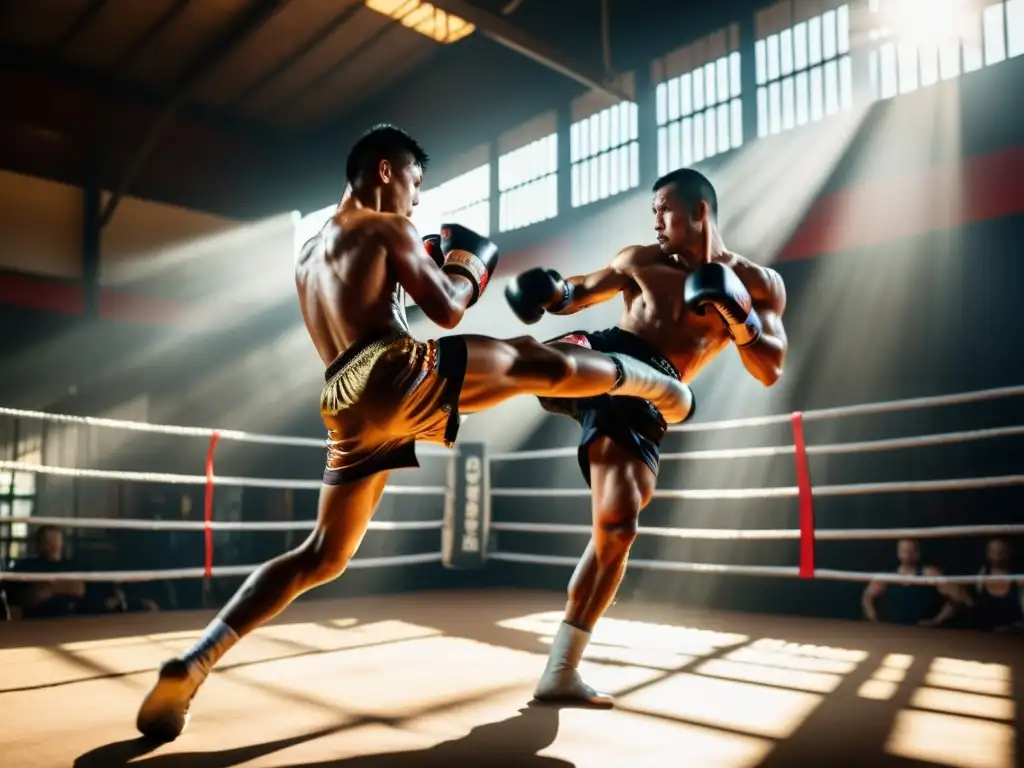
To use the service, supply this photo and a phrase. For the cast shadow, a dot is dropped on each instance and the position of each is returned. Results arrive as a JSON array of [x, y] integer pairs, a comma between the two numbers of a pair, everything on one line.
[[507, 743]]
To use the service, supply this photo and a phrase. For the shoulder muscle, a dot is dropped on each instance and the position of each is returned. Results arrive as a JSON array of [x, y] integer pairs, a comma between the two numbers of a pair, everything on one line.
[[636, 256], [764, 283]]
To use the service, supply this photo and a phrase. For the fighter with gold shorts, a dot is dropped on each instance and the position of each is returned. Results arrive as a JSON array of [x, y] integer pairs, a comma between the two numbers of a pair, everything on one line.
[[386, 390]]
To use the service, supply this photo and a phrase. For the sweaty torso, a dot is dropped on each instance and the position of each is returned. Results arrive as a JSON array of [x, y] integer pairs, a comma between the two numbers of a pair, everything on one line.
[[655, 310], [347, 291]]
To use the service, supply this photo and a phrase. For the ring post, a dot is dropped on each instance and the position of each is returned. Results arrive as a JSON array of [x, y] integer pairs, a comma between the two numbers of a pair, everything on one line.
[[467, 509], [208, 516], [806, 499]]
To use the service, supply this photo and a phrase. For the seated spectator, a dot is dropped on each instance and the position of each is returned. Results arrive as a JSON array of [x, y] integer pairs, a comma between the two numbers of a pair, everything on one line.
[[46, 599], [998, 605], [49, 599], [910, 603]]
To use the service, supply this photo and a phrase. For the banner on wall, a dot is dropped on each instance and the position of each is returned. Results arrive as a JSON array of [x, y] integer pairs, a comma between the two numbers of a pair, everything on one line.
[[467, 508]]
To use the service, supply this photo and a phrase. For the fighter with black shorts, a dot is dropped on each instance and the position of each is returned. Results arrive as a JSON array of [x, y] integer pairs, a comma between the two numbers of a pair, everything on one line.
[[385, 389], [686, 298]]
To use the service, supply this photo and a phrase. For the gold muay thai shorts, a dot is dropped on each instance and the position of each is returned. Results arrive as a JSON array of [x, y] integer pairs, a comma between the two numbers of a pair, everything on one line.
[[382, 396]]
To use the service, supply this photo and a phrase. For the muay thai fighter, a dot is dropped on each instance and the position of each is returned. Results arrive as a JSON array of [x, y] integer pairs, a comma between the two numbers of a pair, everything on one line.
[[386, 390], [686, 299]]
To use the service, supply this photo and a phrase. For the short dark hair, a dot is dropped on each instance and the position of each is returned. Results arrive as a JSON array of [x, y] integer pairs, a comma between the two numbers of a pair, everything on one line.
[[41, 532], [382, 142], [691, 187]]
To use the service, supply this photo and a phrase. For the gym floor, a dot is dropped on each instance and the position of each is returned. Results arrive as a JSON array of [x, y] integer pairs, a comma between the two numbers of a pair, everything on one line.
[[445, 679]]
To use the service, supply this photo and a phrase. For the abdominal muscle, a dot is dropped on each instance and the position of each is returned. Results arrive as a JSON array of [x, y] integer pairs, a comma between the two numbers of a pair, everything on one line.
[[655, 312]]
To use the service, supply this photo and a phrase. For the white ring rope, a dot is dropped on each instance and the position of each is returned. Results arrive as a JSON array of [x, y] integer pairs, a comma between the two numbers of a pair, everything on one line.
[[865, 446], [253, 437], [865, 409], [198, 573], [172, 479], [167, 429], [136, 524], [785, 492], [763, 570], [778, 534]]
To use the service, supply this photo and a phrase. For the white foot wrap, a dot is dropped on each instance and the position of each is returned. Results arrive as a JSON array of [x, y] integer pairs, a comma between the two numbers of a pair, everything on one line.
[[672, 398], [217, 640], [164, 712], [560, 680]]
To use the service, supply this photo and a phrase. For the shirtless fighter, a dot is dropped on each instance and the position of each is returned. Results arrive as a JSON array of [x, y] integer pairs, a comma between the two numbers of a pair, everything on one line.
[[686, 300], [384, 389]]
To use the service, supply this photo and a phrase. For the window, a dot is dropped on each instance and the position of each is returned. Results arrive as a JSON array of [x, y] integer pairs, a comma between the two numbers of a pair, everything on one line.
[[528, 180], [915, 45], [1014, 28], [605, 153], [699, 114], [17, 499], [465, 199], [804, 72]]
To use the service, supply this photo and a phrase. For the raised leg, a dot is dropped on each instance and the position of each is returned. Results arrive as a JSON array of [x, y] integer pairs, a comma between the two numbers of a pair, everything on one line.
[[622, 485], [499, 369], [342, 517]]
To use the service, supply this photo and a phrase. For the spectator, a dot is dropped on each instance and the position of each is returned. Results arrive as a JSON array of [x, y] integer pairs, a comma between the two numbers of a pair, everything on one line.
[[910, 603], [999, 605], [46, 599]]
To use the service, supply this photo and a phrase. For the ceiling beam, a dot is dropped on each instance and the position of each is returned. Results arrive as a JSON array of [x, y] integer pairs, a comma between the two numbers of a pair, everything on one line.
[[114, 94], [328, 29], [79, 25], [151, 33], [349, 56], [510, 36], [222, 44]]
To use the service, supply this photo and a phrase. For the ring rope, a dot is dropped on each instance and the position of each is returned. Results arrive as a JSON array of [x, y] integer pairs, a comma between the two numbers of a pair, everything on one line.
[[254, 437], [167, 429], [786, 492], [136, 524], [198, 573], [778, 534], [173, 479], [825, 449], [763, 570], [865, 409]]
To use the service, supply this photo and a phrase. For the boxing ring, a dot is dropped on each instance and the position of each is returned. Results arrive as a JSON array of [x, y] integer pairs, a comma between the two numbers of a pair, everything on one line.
[[445, 677]]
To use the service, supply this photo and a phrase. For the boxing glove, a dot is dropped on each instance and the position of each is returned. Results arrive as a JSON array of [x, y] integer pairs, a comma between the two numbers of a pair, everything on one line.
[[468, 255], [717, 286], [432, 245], [535, 291]]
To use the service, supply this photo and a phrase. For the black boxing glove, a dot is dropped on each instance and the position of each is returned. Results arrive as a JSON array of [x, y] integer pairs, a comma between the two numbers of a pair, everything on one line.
[[468, 255], [432, 245], [535, 291], [718, 286]]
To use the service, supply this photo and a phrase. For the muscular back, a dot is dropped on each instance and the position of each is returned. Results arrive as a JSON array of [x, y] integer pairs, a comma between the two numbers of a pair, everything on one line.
[[347, 289], [655, 310]]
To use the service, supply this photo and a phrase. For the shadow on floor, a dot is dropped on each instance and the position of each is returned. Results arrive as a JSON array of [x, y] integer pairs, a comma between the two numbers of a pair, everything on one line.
[[843, 729], [507, 743]]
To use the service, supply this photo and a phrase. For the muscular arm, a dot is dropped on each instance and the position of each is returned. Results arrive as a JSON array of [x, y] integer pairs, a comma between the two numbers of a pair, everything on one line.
[[872, 592], [764, 359], [442, 298], [602, 285], [38, 593], [954, 595]]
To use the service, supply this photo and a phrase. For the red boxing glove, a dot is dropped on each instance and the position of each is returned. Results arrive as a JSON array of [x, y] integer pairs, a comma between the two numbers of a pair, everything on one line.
[[432, 245], [469, 255]]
